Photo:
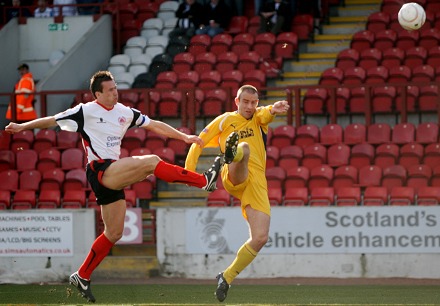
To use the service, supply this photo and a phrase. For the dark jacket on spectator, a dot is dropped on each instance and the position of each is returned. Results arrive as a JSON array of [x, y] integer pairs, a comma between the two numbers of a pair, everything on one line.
[[221, 14]]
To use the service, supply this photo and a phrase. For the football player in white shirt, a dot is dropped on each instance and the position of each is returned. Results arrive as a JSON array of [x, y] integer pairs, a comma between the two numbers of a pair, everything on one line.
[[102, 124]]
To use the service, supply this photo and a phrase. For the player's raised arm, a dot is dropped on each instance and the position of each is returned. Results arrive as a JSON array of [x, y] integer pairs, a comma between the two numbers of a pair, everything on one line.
[[40, 123]]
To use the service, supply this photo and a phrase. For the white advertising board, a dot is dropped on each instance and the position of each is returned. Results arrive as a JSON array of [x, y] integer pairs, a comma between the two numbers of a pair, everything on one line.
[[36, 233], [319, 230]]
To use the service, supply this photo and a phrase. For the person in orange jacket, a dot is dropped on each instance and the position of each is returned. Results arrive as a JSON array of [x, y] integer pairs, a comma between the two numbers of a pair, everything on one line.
[[25, 97]]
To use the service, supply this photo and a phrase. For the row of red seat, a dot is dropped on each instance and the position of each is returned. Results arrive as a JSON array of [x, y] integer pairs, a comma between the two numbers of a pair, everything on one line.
[[416, 176], [356, 133], [383, 20], [52, 199], [411, 57], [347, 196], [386, 39], [358, 155]]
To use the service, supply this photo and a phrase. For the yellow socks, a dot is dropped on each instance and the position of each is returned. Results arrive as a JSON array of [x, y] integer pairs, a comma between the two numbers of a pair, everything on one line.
[[245, 256], [239, 155]]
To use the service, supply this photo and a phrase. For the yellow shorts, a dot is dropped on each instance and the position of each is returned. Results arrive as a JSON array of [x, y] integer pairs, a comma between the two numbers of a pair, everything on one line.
[[253, 191]]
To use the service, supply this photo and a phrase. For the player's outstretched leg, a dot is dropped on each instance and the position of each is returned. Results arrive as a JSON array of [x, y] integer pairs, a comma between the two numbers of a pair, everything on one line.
[[231, 147], [222, 287], [83, 286], [212, 174]]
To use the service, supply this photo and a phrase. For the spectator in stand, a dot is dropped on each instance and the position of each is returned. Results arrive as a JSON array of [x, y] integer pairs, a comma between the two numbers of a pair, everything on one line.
[[190, 16], [237, 7], [313, 8], [69, 8], [216, 18], [88, 10], [25, 96], [17, 11], [274, 16], [43, 10]]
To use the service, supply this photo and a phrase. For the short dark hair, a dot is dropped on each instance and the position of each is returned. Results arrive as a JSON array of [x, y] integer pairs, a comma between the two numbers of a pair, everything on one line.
[[248, 88], [23, 66], [97, 79]]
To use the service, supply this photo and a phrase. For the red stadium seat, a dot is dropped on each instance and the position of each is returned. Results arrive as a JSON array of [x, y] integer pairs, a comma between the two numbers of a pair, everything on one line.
[[403, 133], [370, 176], [383, 98], [428, 196], [242, 43], [73, 199], [237, 25], [22, 140], [26, 159], [390, 7], [302, 25], [379, 133], [378, 21], [204, 62], [67, 139], [338, 155], [221, 43], [322, 196], [306, 134], [423, 73], [411, 154], [44, 139], [342, 97], [412, 95], [290, 157], [5, 140], [52, 179], [428, 98], [427, 133], [255, 78], [432, 155], [347, 58], [402, 196], [219, 197], [314, 156], [23, 199], [332, 76], [179, 147], [415, 57], [199, 44], [355, 133], [407, 39], [378, 74], [385, 39], [429, 38], [370, 58], [331, 134], [10, 180], [188, 79], [362, 154], [375, 196], [355, 75], [30, 180], [433, 58], [286, 45], [345, 176], [296, 177], [226, 62], [48, 159], [393, 57], [183, 62], [145, 190], [283, 136], [72, 158], [296, 197], [264, 43], [248, 61], [275, 177], [210, 79], [214, 103], [321, 176], [130, 198], [166, 79], [418, 176], [387, 154], [394, 176], [399, 74], [170, 101], [362, 40], [75, 179], [348, 196], [49, 199], [357, 102], [165, 154], [315, 100]]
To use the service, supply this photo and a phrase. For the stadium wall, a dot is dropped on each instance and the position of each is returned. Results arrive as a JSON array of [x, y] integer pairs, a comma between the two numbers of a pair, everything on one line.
[[200, 242]]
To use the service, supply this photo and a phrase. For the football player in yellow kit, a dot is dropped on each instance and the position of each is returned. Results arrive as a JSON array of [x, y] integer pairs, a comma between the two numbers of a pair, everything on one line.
[[242, 136]]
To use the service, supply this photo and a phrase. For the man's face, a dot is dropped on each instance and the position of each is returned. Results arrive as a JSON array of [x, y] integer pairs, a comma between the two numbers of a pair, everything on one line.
[[109, 94], [247, 104], [22, 71]]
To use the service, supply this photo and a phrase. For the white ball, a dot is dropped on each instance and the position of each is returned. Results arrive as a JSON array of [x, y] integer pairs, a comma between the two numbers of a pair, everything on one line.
[[411, 16]]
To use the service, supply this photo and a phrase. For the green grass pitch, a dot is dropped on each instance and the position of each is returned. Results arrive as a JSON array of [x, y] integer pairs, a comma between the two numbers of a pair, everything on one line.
[[240, 294]]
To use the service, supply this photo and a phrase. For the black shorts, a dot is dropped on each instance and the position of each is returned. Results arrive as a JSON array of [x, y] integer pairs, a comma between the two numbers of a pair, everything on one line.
[[95, 171]]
